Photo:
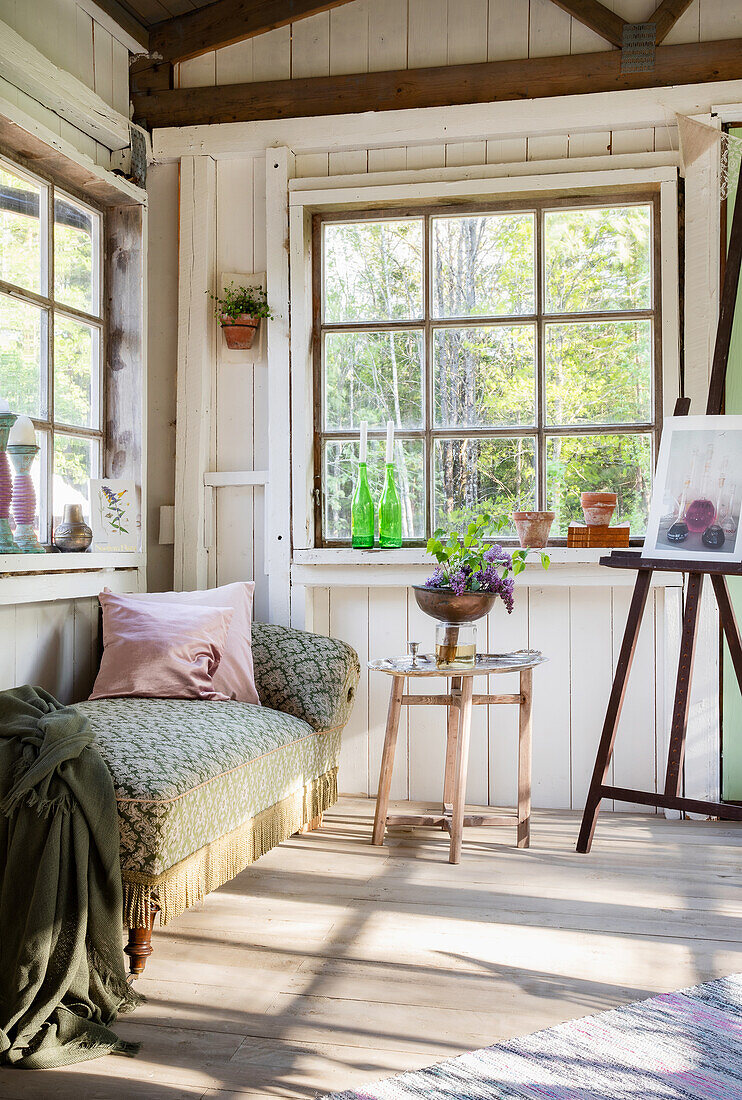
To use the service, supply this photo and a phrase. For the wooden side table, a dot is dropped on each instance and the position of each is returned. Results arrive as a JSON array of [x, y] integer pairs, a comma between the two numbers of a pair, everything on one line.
[[460, 699]]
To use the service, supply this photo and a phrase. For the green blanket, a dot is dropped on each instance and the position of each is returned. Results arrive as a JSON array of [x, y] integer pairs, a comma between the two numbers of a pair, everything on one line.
[[62, 976]]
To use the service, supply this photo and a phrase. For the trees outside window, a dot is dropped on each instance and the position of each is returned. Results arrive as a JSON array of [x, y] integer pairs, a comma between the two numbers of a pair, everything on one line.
[[51, 332], [516, 350]]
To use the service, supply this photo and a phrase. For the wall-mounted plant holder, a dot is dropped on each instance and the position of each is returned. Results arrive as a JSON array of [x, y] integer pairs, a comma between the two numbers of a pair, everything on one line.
[[257, 352]]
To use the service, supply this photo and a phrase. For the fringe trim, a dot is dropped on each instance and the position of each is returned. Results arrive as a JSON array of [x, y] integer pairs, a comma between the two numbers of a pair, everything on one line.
[[189, 881]]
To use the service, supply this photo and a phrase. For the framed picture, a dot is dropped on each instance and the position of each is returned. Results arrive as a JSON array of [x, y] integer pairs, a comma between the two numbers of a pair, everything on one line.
[[695, 509], [114, 514]]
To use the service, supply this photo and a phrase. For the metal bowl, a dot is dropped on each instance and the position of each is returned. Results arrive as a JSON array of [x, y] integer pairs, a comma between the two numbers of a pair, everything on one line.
[[444, 605]]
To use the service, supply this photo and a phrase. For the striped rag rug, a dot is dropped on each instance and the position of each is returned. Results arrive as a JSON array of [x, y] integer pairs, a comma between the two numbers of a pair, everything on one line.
[[677, 1046]]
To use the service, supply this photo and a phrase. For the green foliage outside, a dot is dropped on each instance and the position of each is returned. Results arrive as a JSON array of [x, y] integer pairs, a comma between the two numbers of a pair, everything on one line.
[[23, 326], [596, 372]]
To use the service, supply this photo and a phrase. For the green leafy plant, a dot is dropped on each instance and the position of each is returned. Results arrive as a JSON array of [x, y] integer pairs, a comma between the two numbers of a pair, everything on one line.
[[473, 563], [237, 300]]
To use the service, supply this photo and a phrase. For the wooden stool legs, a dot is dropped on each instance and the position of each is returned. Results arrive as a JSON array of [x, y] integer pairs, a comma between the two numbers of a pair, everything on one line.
[[452, 741], [462, 767], [453, 817], [387, 759], [524, 758]]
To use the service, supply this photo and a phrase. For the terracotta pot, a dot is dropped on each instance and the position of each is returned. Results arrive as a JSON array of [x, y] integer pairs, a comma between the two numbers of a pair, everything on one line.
[[533, 527], [598, 508], [239, 332]]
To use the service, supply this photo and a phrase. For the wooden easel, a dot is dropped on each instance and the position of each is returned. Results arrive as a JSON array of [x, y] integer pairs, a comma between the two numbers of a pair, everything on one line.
[[718, 571]]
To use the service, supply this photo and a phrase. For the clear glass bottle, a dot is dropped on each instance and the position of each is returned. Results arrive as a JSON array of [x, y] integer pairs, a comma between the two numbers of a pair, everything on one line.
[[390, 511], [455, 645], [362, 512], [701, 512]]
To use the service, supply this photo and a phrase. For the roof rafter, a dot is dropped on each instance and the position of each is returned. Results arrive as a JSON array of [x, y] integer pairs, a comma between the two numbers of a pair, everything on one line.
[[597, 17], [666, 16], [483, 82], [226, 22]]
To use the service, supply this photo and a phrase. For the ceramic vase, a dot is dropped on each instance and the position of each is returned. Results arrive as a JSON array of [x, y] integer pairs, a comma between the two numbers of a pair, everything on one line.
[[24, 498], [7, 542]]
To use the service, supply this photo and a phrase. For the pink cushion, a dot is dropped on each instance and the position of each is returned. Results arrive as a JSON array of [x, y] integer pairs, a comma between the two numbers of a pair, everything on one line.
[[160, 651], [235, 676]]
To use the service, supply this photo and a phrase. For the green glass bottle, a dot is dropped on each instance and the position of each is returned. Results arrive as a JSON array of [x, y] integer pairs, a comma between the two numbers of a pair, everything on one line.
[[362, 512], [390, 511]]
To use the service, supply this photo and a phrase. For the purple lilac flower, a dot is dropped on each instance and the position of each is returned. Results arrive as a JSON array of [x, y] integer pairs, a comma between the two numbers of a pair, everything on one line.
[[497, 553], [458, 581], [437, 579], [491, 581]]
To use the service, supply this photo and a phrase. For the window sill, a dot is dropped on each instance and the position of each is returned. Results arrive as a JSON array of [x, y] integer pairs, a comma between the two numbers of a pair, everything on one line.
[[37, 578], [344, 567]]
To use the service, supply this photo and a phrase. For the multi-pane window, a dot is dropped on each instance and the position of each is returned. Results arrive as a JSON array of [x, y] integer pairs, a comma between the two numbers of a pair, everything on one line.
[[51, 332], [516, 349]]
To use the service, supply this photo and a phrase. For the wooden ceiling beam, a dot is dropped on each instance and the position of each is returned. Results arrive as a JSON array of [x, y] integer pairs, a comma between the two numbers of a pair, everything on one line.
[[484, 82], [667, 15], [225, 22], [597, 17]]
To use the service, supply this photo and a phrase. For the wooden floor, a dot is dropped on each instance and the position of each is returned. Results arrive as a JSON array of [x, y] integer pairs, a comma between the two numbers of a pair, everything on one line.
[[331, 963]]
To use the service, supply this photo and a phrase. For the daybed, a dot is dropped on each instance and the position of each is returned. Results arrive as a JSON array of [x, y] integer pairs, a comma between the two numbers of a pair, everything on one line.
[[205, 788]]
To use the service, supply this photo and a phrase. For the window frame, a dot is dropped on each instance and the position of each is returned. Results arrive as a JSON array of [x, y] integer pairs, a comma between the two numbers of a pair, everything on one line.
[[49, 425], [643, 195]]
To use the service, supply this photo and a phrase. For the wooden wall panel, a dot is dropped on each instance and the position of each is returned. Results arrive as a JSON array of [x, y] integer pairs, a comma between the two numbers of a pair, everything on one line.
[[505, 633], [578, 628], [635, 755], [51, 645], [349, 621], [591, 637]]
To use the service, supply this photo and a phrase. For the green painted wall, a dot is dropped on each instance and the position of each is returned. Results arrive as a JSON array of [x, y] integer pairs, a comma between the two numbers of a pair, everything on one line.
[[732, 700]]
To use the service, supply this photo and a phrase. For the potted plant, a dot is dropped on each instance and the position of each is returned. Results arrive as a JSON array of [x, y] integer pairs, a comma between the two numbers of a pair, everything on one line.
[[471, 574], [533, 528], [239, 310]]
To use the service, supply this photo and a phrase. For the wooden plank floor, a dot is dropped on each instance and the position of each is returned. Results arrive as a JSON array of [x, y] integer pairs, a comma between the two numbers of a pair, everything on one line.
[[330, 963]]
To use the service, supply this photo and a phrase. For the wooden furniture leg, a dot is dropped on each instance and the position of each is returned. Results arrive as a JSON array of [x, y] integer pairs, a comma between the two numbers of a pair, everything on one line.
[[139, 947], [462, 767], [679, 727], [387, 759], [311, 825], [452, 737], [524, 758], [613, 713]]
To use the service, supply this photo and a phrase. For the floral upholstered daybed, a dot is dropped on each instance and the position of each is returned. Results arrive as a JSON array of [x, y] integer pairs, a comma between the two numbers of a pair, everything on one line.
[[204, 788]]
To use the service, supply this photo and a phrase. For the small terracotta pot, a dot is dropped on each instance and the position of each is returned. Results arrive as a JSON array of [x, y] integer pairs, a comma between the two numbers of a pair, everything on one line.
[[239, 332], [598, 508], [533, 527]]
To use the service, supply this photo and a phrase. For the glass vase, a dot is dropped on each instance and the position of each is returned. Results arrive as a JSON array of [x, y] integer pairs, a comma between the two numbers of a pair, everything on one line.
[[362, 512], [455, 645], [390, 511]]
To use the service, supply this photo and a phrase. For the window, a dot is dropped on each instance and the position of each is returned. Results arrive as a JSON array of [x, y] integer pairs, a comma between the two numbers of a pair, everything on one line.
[[516, 349], [51, 332]]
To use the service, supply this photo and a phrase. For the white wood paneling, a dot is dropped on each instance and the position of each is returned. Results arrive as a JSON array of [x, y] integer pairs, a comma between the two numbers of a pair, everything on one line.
[[349, 621], [196, 346], [50, 645], [579, 629]]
